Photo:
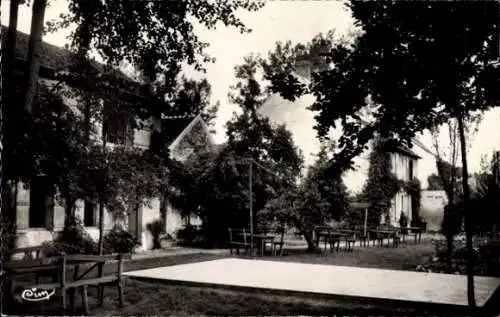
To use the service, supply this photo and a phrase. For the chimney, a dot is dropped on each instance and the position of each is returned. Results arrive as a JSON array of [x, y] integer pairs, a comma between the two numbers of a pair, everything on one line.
[[303, 69]]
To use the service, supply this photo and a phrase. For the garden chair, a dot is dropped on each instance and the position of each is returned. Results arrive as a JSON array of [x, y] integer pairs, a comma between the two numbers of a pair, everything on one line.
[[396, 238], [350, 241], [324, 232], [363, 238], [278, 244], [238, 239]]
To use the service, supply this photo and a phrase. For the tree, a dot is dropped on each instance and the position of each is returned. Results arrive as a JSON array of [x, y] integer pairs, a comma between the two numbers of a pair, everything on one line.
[[434, 182], [154, 37], [319, 198], [193, 97], [215, 184], [382, 185], [33, 65], [394, 64]]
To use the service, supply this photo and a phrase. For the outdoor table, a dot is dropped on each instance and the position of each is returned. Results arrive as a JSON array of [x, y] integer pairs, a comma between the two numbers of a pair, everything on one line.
[[386, 234], [418, 233], [261, 239], [331, 237], [323, 234], [337, 235]]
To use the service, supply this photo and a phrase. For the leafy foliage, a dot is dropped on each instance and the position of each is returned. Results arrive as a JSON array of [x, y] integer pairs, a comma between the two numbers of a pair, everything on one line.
[[192, 236], [416, 65], [155, 37], [156, 228], [403, 220], [413, 188], [119, 241], [74, 239], [368, 72], [214, 183], [193, 97], [382, 185], [434, 182], [317, 200]]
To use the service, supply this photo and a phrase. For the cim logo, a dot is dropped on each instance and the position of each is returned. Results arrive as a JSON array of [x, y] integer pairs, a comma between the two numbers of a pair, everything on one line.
[[36, 295]]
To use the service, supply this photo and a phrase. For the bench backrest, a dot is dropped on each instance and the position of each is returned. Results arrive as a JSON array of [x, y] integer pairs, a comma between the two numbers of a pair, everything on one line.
[[29, 253], [95, 261], [322, 229], [237, 235]]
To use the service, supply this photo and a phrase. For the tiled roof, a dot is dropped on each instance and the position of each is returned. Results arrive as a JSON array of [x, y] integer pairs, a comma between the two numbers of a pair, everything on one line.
[[52, 58], [407, 151], [172, 127]]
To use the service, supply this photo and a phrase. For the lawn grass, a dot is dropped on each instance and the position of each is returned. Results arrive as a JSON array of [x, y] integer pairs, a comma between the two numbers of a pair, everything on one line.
[[150, 298]]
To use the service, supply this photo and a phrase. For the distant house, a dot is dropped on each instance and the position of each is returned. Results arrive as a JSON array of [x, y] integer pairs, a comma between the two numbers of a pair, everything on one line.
[[432, 208], [37, 221], [300, 121]]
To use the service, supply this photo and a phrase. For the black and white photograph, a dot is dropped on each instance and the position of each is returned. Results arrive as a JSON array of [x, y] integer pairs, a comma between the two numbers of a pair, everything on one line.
[[250, 158]]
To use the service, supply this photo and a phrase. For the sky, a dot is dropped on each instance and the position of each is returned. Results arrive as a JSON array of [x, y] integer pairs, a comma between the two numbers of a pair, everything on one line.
[[297, 21]]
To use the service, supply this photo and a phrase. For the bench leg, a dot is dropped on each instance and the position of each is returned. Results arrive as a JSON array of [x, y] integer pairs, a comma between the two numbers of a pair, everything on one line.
[[63, 299], [85, 299], [72, 304], [120, 293], [100, 290]]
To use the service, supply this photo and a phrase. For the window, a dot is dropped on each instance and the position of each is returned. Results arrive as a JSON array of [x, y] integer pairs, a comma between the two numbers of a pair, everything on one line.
[[116, 128], [410, 169], [89, 215], [41, 201]]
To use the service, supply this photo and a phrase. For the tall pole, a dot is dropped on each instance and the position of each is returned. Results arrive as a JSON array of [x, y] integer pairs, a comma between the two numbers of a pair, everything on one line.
[[366, 221], [251, 205]]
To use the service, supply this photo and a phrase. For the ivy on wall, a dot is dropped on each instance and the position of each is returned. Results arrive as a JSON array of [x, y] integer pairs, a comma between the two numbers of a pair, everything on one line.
[[413, 188], [382, 185]]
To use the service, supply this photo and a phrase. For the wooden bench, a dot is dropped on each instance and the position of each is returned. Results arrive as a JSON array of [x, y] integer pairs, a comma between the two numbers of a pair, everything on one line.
[[238, 238], [82, 281], [30, 257], [279, 239], [350, 239], [38, 252]]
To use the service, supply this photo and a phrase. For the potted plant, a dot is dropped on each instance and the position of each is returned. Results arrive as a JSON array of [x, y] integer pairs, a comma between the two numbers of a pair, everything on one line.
[[156, 229], [403, 221]]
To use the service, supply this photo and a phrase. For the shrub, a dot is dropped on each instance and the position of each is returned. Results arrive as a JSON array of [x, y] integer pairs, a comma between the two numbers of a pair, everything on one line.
[[403, 220], [489, 254], [452, 220], [119, 241], [156, 229], [487, 258], [74, 239], [192, 236]]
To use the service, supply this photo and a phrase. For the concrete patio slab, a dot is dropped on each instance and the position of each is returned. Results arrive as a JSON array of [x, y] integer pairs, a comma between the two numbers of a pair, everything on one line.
[[349, 282]]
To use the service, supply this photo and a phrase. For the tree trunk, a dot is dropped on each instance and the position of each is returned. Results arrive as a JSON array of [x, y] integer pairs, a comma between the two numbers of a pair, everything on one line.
[[468, 230], [9, 203], [10, 44], [308, 236], [9, 51], [311, 244], [34, 46]]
